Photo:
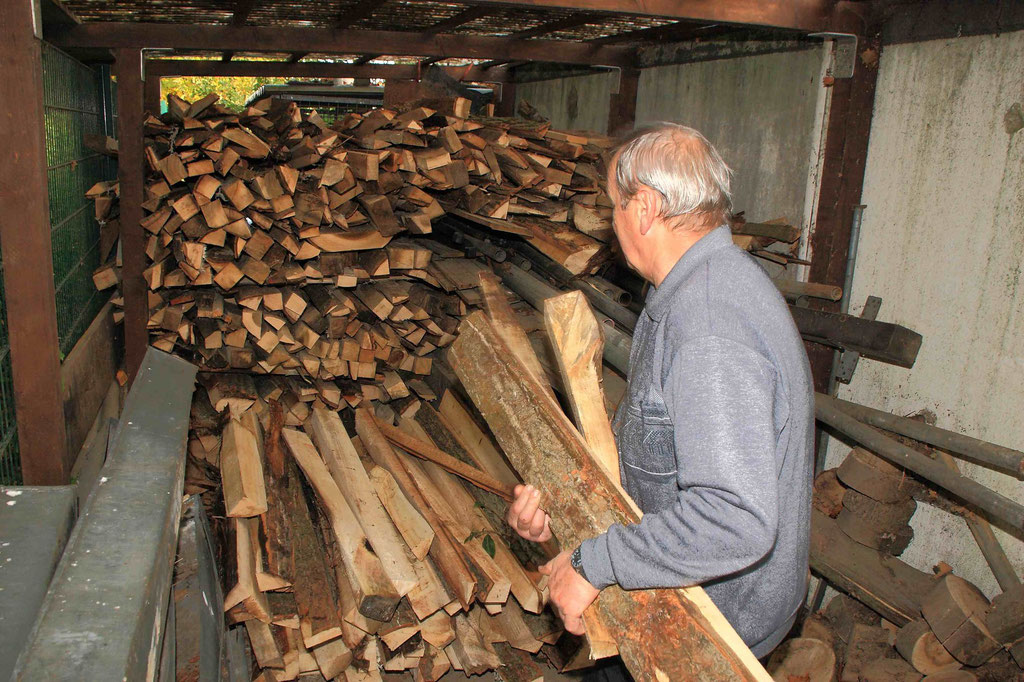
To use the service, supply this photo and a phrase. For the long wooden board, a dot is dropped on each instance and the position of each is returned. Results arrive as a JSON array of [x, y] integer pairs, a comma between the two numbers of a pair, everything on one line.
[[684, 635]]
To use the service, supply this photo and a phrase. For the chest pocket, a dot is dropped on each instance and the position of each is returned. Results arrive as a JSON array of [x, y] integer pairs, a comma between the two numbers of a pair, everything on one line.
[[648, 457]]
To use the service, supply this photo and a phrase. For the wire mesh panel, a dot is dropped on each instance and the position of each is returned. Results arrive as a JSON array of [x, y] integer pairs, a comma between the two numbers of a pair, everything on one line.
[[76, 101], [73, 106]]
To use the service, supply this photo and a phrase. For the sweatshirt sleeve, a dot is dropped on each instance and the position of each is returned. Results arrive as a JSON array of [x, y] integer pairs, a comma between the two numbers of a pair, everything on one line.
[[720, 397]]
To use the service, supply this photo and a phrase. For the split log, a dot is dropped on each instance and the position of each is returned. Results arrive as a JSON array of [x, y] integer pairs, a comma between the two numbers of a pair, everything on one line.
[[241, 469], [333, 442], [414, 529], [449, 561], [578, 344], [375, 595], [686, 636], [474, 441], [867, 645]]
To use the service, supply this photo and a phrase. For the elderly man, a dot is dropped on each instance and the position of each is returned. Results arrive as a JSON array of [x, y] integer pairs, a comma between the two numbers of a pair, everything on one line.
[[715, 430]]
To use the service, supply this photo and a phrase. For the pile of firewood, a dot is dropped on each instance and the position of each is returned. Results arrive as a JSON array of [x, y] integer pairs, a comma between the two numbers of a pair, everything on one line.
[[274, 238], [936, 627], [348, 556]]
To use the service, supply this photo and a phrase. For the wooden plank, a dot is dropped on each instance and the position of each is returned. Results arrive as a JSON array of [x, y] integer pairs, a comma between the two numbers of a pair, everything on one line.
[[444, 552], [474, 441], [684, 635], [522, 585], [506, 324], [376, 595], [241, 470], [128, 67], [579, 347], [331, 439], [410, 523], [429, 452], [28, 259]]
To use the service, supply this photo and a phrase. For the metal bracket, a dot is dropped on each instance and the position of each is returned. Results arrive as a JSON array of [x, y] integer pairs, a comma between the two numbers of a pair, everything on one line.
[[845, 52], [849, 358]]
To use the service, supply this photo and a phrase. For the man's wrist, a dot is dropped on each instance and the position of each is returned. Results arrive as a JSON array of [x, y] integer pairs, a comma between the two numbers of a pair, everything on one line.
[[576, 561]]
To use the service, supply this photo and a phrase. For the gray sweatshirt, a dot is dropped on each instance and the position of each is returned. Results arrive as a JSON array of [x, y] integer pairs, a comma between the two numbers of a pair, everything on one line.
[[715, 446]]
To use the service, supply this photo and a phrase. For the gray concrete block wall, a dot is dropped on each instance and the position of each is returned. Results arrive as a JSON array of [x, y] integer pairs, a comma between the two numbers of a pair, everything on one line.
[[942, 243], [763, 112], [577, 103]]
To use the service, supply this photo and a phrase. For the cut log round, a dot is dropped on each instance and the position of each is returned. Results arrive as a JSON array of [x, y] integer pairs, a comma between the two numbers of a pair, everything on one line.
[[873, 476], [917, 643], [955, 610], [892, 541], [803, 658], [1006, 619], [828, 493]]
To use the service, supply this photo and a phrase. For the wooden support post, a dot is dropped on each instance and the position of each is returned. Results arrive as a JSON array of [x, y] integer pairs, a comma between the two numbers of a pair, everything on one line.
[[507, 104], [842, 178], [27, 253], [683, 635], [151, 98], [622, 105], [130, 174]]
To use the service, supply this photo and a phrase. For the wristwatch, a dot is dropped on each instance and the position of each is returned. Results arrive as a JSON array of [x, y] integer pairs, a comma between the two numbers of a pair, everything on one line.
[[576, 561]]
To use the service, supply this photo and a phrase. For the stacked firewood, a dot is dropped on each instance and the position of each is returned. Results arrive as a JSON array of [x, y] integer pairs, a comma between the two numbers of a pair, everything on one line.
[[347, 556], [280, 244], [936, 627]]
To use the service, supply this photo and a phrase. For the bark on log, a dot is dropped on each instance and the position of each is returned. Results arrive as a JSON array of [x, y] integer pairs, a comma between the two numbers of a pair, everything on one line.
[[684, 635]]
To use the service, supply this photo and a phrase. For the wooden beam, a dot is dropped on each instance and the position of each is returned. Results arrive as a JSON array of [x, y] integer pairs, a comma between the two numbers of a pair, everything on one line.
[[622, 104], [169, 68], [151, 94], [683, 635], [128, 68], [285, 39], [27, 254], [842, 179], [805, 15]]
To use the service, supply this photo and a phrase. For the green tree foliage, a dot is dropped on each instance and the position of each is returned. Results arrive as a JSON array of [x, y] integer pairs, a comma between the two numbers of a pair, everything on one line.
[[233, 91]]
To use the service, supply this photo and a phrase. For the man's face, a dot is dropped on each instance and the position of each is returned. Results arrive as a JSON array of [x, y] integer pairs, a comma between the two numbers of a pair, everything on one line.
[[624, 222]]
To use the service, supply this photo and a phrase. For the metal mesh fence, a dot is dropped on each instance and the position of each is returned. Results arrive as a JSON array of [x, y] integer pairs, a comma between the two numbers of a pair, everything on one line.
[[77, 100]]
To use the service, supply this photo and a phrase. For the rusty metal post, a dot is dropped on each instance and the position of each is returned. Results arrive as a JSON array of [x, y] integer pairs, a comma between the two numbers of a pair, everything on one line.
[[27, 252], [130, 175]]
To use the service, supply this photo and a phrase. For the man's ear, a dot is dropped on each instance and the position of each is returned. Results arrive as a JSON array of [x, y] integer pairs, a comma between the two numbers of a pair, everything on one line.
[[648, 208]]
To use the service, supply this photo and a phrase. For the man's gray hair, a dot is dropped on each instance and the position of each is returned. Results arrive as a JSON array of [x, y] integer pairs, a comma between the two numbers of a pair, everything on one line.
[[681, 165]]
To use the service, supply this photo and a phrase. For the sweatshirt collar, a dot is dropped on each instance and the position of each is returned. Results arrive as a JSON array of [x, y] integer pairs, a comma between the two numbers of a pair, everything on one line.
[[659, 300]]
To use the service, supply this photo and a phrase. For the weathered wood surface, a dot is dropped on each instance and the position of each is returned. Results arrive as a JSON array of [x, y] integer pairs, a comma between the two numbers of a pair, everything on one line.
[[450, 563], [887, 585], [683, 635], [579, 346]]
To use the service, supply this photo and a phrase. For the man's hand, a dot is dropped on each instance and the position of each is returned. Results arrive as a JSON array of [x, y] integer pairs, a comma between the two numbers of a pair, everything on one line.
[[569, 593], [526, 516]]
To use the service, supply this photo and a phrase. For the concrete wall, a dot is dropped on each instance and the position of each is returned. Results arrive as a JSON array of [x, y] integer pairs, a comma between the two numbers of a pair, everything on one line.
[[762, 112], [577, 103], [943, 244]]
